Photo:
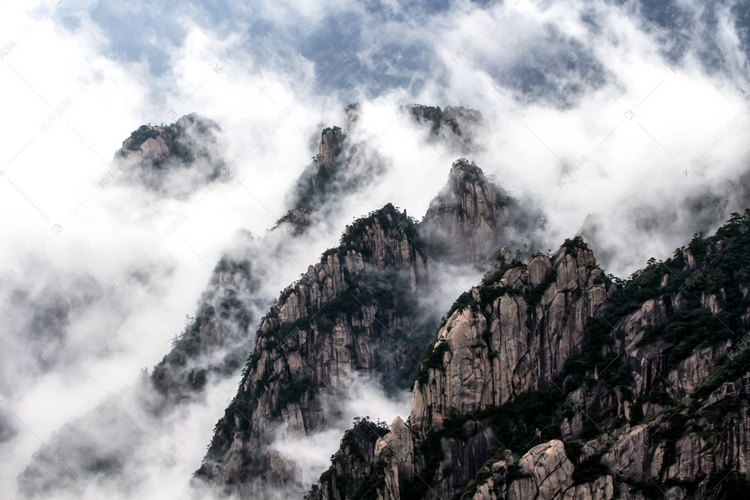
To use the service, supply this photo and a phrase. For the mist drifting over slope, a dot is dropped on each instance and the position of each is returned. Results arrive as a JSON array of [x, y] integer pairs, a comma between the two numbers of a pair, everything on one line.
[[623, 120]]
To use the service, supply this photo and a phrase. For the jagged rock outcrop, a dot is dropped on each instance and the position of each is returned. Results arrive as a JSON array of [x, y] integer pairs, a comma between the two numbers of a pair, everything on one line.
[[638, 391], [509, 336], [355, 311], [343, 167], [218, 338], [331, 145], [227, 310], [393, 449], [187, 139], [544, 472], [469, 217], [357, 445], [173, 159], [339, 169], [215, 343], [502, 339]]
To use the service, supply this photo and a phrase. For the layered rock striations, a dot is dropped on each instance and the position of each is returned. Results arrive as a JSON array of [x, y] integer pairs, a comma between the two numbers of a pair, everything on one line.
[[552, 380], [499, 340], [215, 342], [461, 223], [357, 311]]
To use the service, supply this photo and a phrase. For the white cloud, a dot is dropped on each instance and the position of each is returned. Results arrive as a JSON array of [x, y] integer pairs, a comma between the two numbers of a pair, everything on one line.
[[358, 396], [70, 98]]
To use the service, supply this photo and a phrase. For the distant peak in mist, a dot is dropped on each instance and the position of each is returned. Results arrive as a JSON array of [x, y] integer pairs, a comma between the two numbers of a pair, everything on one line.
[[174, 159]]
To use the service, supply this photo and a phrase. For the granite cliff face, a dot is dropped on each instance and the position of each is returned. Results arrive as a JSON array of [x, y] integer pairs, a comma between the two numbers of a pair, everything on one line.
[[505, 338], [552, 380], [510, 335], [219, 337], [358, 310], [215, 342], [548, 379], [461, 222], [353, 311]]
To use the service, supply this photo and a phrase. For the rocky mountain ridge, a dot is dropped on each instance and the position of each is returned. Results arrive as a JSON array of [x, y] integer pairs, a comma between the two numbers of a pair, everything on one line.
[[549, 379], [358, 310], [552, 380], [344, 166], [219, 337], [216, 340]]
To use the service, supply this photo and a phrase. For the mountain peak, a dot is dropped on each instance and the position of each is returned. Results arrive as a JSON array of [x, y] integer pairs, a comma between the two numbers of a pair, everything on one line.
[[189, 148], [331, 144], [468, 171], [553, 366], [321, 183], [164, 141], [450, 124], [468, 217], [354, 311]]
